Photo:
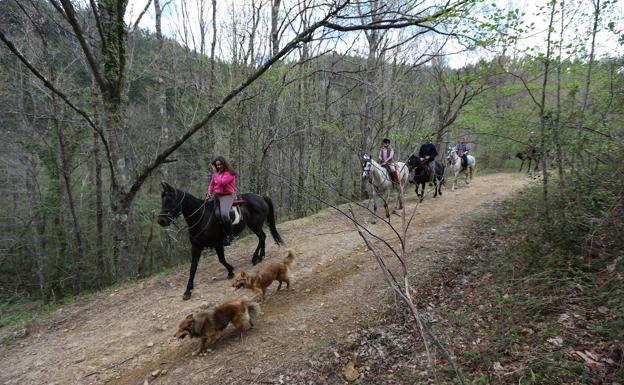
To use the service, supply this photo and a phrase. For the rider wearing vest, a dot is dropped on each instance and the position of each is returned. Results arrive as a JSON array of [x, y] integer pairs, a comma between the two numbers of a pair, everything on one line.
[[221, 189], [386, 157], [427, 154], [462, 151]]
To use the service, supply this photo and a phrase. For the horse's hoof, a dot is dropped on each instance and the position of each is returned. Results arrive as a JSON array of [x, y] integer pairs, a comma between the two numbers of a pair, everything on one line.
[[230, 275], [186, 296], [254, 261]]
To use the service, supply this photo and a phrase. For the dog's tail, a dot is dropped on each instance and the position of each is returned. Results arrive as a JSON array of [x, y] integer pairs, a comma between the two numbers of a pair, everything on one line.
[[290, 258], [252, 308]]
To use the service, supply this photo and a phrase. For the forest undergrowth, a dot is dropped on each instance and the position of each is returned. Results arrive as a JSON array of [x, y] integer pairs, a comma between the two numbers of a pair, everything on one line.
[[527, 301]]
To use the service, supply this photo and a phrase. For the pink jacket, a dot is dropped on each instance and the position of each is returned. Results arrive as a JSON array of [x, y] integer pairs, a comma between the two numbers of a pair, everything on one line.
[[222, 183]]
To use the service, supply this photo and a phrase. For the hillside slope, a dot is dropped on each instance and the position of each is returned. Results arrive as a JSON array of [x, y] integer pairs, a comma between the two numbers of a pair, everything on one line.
[[123, 335]]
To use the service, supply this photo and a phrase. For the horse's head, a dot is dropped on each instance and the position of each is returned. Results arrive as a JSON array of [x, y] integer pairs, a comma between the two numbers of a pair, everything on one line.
[[366, 166], [451, 156], [412, 162], [171, 204]]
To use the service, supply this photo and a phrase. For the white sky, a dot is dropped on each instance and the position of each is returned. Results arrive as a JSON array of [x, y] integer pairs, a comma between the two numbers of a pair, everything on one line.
[[228, 10]]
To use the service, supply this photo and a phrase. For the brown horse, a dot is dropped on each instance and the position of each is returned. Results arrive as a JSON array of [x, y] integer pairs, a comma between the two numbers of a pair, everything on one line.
[[529, 154], [205, 228]]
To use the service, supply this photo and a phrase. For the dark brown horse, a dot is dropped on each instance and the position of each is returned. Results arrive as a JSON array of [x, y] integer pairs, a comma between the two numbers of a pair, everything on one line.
[[529, 154], [421, 176], [205, 228]]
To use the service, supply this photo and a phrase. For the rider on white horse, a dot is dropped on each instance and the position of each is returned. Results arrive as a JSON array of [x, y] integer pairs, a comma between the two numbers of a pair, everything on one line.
[[462, 151], [386, 158], [427, 154]]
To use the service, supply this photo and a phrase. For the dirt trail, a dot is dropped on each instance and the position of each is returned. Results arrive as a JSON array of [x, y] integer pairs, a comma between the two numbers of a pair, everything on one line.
[[122, 335]]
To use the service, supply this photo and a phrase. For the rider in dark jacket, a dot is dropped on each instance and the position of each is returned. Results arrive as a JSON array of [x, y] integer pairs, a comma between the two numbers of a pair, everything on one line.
[[427, 154]]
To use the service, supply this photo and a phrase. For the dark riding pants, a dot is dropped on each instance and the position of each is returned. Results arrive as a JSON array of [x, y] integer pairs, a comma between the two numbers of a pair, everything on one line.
[[432, 170]]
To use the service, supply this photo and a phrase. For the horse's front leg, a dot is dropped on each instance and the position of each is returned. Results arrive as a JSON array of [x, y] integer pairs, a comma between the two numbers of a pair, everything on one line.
[[385, 198], [221, 255], [195, 254], [374, 205], [455, 180]]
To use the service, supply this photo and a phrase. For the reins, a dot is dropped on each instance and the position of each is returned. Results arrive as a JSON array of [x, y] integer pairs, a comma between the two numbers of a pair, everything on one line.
[[175, 212]]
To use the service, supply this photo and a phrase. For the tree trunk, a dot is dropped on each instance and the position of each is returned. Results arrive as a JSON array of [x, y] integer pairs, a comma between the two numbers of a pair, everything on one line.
[[274, 26], [590, 65], [120, 204], [366, 129], [78, 261], [160, 70], [103, 267], [557, 119], [544, 120]]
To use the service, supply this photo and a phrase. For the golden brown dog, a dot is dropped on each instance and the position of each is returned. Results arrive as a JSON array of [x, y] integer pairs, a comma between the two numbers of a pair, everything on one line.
[[209, 325], [259, 282]]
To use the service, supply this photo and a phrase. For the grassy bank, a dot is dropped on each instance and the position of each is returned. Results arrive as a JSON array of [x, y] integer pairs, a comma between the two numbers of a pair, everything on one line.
[[529, 300]]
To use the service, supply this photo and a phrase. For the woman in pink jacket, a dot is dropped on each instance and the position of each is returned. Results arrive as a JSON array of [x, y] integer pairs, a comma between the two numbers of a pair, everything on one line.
[[221, 189]]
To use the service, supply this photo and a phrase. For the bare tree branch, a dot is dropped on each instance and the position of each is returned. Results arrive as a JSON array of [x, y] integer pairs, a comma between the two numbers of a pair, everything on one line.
[[56, 91], [71, 18], [138, 20]]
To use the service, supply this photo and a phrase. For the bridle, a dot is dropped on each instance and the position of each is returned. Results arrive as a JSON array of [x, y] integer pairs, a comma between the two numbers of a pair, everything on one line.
[[174, 212], [366, 167], [452, 156]]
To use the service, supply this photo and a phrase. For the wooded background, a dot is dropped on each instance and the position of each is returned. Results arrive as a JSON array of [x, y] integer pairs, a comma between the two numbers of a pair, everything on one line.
[[96, 111]]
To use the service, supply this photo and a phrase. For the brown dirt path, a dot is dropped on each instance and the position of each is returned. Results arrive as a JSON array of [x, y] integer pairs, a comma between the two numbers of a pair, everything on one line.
[[122, 335]]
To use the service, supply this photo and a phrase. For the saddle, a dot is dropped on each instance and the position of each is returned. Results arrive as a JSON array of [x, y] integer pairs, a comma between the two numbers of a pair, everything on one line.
[[235, 211], [394, 175]]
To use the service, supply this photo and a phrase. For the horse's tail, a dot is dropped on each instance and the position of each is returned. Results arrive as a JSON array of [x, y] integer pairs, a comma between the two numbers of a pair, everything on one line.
[[271, 219]]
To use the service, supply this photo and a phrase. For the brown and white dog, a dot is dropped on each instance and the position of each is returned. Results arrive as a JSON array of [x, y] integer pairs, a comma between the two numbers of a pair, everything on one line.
[[259, 282], [209, 325]]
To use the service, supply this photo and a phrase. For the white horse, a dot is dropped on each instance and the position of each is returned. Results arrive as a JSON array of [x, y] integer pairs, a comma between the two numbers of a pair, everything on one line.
[[381, 183], [454, 161]]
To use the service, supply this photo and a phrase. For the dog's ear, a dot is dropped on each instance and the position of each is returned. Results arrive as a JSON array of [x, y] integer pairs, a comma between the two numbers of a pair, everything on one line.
[[189, 317], [243, 274]]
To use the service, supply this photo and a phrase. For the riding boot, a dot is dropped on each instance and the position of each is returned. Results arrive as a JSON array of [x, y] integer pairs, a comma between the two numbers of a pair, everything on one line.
[[229, 234]]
